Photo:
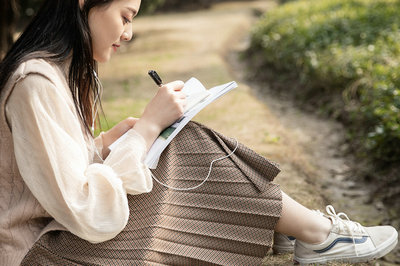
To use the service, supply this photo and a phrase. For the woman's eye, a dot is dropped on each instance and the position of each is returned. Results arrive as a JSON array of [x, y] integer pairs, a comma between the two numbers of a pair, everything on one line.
[[126, 20]]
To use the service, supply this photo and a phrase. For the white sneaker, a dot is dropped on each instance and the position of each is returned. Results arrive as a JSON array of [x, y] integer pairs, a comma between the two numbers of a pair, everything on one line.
[[283, 244], [348, 242]]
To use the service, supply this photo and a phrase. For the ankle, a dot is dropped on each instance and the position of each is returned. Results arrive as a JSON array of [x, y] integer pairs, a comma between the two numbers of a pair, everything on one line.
[[319, 233], [324, 229]]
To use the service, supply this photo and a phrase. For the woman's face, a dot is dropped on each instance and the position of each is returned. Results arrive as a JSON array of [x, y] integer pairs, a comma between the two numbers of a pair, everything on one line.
[[110, 25]]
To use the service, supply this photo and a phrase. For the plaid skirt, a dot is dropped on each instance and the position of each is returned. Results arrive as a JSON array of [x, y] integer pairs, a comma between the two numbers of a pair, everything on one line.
[[229, 220]]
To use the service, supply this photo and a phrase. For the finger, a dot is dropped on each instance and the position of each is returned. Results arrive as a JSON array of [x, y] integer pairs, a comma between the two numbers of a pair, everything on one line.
[[180, 95], [176, 85], [182, 103], [131, 121]]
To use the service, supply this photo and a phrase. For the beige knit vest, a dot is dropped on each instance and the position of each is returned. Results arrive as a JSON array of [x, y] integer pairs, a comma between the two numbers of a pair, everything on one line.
[[22, 219]]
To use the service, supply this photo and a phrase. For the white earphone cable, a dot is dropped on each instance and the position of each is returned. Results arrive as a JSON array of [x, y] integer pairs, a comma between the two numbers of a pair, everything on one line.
[[95, 108], [205, 179]]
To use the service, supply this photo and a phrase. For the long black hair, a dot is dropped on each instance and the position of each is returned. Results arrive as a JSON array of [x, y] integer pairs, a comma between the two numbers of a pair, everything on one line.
[[60, 32]]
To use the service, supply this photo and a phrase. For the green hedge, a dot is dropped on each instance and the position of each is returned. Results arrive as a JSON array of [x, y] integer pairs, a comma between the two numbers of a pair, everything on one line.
[[349, 48]]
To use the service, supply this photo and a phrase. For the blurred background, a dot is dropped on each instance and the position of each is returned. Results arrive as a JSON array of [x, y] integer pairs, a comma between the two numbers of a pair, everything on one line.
[[319, 88]]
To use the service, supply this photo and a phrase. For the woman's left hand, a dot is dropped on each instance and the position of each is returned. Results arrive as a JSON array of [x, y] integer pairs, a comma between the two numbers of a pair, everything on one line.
[[117, 131]]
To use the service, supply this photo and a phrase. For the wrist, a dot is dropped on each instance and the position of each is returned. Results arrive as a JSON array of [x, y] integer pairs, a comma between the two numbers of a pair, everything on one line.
[[117, 131], [104, 150], [149, 131]]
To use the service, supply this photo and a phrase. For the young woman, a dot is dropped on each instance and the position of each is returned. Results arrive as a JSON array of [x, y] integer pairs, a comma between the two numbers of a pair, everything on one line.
[[66, 199]]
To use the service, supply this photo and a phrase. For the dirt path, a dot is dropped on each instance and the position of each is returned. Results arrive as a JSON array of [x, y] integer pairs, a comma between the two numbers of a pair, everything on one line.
[[204, 44]]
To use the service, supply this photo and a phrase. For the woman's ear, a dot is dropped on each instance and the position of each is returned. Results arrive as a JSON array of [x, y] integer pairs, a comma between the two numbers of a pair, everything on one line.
[[81, 3]]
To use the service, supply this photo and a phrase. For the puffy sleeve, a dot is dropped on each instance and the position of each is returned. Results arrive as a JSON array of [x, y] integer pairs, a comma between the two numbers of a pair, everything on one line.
[[89, 199]]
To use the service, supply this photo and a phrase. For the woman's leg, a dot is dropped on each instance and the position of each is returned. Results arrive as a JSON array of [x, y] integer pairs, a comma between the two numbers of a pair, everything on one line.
[[302, 223], [320, 239]]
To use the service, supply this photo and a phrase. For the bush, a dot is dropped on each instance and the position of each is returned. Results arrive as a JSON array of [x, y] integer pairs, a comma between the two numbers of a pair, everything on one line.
[[179, 5], [349, 48], [148, 7]]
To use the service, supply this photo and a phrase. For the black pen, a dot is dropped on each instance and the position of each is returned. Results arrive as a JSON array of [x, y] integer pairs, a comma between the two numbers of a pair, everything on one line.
[[153, 74]]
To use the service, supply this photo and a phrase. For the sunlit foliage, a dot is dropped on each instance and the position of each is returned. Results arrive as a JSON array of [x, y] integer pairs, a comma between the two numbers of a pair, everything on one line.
[[342, 47]]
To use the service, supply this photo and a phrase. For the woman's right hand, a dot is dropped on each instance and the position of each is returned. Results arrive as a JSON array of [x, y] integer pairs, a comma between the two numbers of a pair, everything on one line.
[[164, 109]]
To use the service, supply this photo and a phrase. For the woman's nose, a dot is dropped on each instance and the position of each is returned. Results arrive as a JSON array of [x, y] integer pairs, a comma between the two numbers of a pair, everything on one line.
[[127, 34]]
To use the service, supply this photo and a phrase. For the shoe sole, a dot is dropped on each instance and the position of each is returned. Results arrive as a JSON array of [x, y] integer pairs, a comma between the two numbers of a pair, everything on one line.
[[280, 250], [382, 251]]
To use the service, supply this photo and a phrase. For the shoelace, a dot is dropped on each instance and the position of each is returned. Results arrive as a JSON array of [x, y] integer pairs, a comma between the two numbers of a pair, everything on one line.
[[350, 225]]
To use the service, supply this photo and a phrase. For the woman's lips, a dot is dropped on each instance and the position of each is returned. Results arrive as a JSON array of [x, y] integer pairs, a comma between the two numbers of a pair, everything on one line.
[[115, 47]]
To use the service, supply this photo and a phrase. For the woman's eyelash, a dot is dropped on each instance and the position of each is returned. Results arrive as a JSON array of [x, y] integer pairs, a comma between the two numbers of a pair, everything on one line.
[[126, 20]]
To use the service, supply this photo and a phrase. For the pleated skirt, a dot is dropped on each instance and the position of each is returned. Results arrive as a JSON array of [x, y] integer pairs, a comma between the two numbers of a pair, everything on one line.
[[229, 220]]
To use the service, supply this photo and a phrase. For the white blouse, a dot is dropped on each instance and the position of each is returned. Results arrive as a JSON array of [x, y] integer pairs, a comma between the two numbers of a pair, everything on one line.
[[55, 159]]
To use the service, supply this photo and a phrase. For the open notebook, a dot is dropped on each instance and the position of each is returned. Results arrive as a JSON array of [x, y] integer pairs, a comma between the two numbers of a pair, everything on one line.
[[197, 97]]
